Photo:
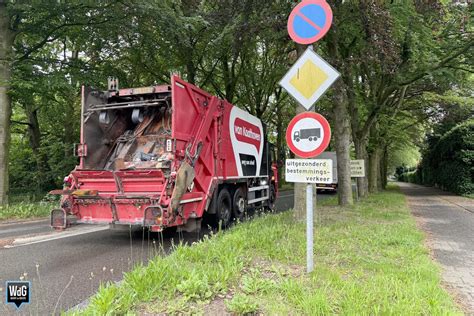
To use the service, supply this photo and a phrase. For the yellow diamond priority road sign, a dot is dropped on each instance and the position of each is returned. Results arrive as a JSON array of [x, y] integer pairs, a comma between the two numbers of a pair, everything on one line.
[[309, 78]]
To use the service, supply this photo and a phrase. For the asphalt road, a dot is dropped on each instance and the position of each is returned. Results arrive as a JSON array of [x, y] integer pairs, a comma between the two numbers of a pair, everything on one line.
[[66, 268]]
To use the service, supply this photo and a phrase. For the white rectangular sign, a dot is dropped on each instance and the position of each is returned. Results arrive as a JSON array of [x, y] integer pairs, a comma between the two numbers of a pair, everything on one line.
[[357, 168], [309, 170]]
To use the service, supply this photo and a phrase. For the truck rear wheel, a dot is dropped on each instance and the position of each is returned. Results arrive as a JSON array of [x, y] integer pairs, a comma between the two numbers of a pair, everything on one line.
[[224, 208], [239, 205]]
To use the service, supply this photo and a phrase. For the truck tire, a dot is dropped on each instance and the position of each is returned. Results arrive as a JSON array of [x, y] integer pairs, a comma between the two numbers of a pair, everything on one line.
[[239, 204], [224, 208]]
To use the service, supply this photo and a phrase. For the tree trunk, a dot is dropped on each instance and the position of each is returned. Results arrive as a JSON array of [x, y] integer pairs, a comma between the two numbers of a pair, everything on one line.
[[341, 120], [69, 127], [300, 188], [280, 147], [34, 133], [358, 137], [299, 205], [380, 186], [361, 153], [374, 166], [70, 123], [384, 168], [342, 135], [6, 41], [374, 158], [190, 70]]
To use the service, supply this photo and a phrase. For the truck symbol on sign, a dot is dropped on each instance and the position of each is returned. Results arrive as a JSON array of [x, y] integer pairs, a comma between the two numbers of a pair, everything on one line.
[[309, 134]]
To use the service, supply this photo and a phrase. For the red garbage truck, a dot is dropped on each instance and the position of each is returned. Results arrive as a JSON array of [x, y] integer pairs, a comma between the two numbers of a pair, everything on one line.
[[163, 156]]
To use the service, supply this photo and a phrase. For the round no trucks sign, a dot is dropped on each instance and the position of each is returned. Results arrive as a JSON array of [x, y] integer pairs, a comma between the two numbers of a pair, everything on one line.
[[308, 134]]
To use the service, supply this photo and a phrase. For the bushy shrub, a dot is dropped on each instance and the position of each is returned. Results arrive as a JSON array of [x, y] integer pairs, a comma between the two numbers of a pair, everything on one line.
[[449, 164], [412, 177]]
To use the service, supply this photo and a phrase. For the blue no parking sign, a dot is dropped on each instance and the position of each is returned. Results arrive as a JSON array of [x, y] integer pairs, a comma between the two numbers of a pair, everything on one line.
[[309, 21]]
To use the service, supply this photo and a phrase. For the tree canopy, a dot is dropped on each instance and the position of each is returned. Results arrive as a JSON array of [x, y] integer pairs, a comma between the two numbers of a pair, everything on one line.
[[406, 66]]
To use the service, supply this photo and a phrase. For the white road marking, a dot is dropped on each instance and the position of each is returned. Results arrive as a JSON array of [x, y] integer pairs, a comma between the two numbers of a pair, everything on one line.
[[25, 241]]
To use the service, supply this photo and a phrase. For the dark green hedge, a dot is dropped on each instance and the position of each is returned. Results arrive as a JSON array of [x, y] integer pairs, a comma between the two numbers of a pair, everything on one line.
[[449, 164], [412, 177]]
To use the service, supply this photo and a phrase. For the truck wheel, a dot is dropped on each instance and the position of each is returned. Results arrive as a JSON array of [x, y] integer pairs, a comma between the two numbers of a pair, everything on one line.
[[239, 205], [310, 139], [224, 208], [297, 139]]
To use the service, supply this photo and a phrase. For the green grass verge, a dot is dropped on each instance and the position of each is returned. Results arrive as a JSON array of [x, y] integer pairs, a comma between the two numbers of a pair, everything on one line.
[[26, 210], [370, 259], [286, 186]]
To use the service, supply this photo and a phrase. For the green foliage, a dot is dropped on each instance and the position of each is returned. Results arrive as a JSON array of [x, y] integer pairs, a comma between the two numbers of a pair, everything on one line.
[[22, 163], [404, 155], [411, 176], [407, 177], [449, 163], [237, 50], [105, 300], [400, 52], [195, 288], [242, 304], [26, 210], [254, 283], [370, 259]]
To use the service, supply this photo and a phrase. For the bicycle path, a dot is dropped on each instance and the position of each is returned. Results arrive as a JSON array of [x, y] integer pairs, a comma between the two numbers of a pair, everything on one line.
[[449, 222]]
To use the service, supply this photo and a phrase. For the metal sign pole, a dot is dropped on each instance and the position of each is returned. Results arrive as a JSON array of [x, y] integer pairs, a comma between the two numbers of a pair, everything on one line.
[[300, 79], [357, 190], [309, 228]]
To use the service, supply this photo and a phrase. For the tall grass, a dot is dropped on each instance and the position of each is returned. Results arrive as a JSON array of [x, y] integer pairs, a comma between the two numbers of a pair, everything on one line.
[[369, 259], [22, 210]]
